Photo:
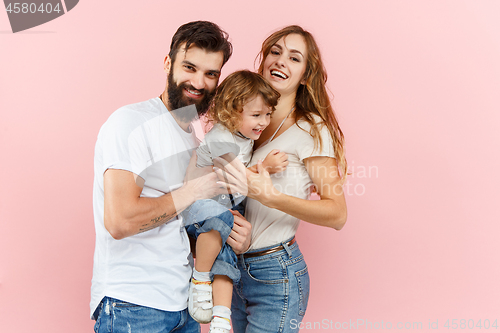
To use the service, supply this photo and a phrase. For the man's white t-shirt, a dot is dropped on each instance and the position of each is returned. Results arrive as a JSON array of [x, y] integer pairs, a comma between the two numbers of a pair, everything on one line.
[[151, 268]]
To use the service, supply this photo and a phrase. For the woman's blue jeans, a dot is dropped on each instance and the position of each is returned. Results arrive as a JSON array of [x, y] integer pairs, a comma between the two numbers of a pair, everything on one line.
[[272, 293]]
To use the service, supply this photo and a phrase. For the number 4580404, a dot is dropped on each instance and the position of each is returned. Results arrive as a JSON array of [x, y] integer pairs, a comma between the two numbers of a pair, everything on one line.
[[32, 8], [470, 324]]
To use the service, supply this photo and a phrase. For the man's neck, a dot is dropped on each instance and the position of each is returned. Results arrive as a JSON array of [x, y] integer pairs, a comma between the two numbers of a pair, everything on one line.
[[185, 126], [182, 124]]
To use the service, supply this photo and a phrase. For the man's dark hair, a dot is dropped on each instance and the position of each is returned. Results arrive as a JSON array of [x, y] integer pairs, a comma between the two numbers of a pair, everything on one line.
[[203, 34]]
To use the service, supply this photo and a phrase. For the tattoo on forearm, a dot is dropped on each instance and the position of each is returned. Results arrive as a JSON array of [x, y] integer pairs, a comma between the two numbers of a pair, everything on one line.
[[156, 222]]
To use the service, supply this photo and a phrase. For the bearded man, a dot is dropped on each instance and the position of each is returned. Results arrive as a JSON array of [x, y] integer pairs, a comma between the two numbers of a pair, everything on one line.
[[145, 175]]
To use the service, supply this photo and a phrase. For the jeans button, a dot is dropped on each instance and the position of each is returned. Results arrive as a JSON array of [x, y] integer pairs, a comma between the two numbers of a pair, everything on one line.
[[223, 196]]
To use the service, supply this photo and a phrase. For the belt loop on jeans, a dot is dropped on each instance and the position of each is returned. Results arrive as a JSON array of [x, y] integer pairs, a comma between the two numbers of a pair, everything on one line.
[[287, 248], [277, 248]]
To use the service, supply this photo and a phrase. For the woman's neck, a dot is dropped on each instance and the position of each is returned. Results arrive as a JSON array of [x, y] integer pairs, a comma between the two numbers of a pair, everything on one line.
[[285, 104], [282, 111]]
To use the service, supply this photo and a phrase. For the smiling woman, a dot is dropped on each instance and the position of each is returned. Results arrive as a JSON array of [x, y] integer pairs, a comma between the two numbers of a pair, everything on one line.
[[274, 286], [292, 50]]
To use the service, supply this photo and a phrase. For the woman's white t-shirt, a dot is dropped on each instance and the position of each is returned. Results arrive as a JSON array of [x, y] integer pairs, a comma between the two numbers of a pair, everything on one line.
[[271, 226]]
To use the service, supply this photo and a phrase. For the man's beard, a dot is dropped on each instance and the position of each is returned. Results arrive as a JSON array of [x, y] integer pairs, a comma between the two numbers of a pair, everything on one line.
[[177, 99]]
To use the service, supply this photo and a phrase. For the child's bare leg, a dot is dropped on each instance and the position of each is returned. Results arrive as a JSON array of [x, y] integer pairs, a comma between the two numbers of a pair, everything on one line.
[[208, 247], [222, 290], [222, 294]]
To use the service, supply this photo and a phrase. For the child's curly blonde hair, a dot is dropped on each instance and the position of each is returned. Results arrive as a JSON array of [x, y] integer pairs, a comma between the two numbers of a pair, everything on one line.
[[232, 94]]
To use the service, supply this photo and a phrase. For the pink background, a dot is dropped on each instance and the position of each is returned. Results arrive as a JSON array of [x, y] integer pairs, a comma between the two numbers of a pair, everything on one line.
[[416, 89]]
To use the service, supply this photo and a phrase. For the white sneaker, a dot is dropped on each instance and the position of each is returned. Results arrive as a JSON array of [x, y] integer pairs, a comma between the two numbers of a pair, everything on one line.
[[219, 325], [200, 301]]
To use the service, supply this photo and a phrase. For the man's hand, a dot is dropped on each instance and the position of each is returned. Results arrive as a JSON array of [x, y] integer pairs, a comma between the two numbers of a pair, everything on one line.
[[240, 237], [199, 183], [232, 173], [275, 161], [202, 182], [238, 179]]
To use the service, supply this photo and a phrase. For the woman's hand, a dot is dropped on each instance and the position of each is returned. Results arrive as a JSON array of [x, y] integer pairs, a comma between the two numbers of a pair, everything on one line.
[[260, 186]]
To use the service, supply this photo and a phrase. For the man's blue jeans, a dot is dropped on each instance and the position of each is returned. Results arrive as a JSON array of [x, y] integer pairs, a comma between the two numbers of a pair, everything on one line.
[[204, 216], [115, 316]]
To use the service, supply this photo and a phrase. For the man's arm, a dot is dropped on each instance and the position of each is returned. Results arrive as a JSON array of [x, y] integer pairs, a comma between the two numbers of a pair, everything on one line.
[[126, 213]]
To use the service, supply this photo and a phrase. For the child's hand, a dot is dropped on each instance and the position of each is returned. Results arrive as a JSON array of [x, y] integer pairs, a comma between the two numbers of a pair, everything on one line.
[[275, 161]]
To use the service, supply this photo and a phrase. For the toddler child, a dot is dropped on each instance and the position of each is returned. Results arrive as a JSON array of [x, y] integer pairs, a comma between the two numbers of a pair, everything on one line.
[[241, 110]]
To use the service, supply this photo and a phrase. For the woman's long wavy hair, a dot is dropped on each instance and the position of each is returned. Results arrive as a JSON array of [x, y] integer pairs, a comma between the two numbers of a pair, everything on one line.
[[312, 97]]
